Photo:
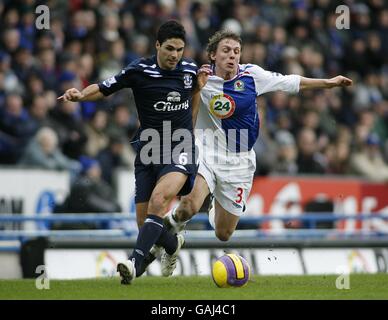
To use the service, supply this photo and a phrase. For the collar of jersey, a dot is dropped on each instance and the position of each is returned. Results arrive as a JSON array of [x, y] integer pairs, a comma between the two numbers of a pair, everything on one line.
[[155, 60], [239, 73]]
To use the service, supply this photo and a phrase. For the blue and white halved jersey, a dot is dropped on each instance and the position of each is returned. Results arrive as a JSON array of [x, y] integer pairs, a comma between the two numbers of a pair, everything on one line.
[[228, 107]]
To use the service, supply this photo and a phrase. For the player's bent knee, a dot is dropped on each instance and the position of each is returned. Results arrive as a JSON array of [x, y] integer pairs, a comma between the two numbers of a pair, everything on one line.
[[158, 203], [223, 234], [186, 208]]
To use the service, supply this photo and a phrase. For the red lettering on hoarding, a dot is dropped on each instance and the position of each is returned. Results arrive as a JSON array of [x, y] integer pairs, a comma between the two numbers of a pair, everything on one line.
[[289, 196]]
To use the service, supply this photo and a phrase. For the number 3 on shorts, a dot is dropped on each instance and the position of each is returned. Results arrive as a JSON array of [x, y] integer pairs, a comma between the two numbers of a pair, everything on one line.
[[239, 195]]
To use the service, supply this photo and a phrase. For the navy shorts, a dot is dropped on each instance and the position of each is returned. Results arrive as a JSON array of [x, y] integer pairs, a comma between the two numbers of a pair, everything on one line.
[[147, 174], [146, 177]]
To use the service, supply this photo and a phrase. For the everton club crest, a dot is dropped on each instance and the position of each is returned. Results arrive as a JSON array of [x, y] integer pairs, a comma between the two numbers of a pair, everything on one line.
[[188, 80]]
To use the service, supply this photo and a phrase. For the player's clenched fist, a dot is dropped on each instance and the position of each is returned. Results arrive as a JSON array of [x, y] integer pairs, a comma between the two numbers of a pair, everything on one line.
[[340, 81], [203, 75], [72, 94]]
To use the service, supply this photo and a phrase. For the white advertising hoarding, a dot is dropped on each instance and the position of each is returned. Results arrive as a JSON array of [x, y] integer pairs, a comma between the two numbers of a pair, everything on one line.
[[82, 264], [85, 263], [338, 261], [29, 192]]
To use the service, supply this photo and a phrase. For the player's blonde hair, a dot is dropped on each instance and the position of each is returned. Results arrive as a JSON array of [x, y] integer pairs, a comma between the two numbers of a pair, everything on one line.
[[215, 39]]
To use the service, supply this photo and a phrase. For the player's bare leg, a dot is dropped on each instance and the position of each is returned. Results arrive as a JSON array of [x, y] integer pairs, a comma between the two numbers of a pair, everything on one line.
[[153, 230], [189, 205], [225, 222], [141, 213], [165, 190]]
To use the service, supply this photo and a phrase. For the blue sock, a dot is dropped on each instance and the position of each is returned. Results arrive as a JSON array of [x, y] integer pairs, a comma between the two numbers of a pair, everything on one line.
[[149, 233], [168, 241]]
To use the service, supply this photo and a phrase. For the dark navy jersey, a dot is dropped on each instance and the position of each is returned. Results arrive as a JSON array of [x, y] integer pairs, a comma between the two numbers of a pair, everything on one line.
[[163, 103], [160, 95]]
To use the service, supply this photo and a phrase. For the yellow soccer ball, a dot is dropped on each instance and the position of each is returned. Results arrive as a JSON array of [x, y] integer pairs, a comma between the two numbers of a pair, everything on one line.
[[231, 270]]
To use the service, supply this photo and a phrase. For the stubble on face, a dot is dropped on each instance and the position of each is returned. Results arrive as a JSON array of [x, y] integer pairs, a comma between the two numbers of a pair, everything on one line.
[[169, 53]]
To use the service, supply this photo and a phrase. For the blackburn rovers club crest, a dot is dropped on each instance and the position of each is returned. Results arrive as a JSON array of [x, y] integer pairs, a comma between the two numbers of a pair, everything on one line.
[[188, 80], [222, 106], [239, 85]]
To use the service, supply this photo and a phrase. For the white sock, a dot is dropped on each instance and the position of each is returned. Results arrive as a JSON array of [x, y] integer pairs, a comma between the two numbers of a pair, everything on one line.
[[171, 217], [212, 213]]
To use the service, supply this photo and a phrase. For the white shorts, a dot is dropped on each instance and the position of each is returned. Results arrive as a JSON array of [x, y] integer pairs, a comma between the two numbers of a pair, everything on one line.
[[229, 177]]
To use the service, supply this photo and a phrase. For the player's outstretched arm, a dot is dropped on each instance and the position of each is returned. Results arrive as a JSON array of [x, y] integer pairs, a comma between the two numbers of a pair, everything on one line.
[[338, 81], [90, 93]]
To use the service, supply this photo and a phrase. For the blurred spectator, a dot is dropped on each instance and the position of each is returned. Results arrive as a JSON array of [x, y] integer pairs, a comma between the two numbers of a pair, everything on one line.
[[68, 79], [97, 138], [356, 56], [16, 129], [138, 48], [380, 127], [367, 93], [265, 149], [23, 64], [109, 31], [86, 69], [290, 61], [276, 105], [309, 160], [368, 162], [114, 60], [11, 40], [337, 157], [286, 154], [117, 154], [2, 90], [203, 24], [11, 81], [38, 112], [89, 193], [43, 153], [47, 70], [122, 123], [35, 86], [70, 129]]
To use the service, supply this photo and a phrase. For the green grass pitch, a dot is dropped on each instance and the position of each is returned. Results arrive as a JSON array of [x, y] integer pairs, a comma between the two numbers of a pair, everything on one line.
[[362, 286]]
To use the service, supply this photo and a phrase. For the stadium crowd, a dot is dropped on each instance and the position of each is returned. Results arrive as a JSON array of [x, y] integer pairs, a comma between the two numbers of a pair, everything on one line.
[[339, 131]]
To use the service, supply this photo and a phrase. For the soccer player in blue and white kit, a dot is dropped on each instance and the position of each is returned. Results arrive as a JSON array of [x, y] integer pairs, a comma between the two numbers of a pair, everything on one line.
[[227, 126], [165, 165]]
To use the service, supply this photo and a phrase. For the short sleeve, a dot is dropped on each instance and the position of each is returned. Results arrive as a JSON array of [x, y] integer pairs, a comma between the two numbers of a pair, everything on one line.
[[124, 79], [267, 81]]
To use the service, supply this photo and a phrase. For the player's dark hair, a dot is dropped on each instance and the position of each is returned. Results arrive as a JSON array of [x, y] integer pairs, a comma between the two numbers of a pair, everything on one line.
[[169, 30], [215, 39]]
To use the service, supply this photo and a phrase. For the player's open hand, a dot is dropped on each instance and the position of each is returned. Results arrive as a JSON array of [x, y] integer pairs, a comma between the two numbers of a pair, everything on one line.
[[203, 75], [72, 94], [340, 81]]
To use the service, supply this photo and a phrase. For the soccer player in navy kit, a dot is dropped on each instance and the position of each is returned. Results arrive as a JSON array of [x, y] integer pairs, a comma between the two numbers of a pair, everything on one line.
[[165, 166]]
